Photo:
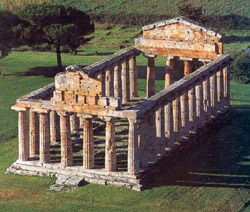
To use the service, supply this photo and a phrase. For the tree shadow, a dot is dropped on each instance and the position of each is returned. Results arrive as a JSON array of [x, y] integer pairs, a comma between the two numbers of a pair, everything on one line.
[[235, 39], [49, 71], [222, 159], [96, 53]]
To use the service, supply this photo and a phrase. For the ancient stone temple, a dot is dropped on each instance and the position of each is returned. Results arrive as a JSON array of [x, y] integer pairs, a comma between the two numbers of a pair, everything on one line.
[[91, 123]]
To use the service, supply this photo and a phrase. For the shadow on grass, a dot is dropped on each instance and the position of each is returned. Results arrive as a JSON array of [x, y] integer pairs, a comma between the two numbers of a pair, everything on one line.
[[221, 160], [50, 71], [235, 39], [96, 53]]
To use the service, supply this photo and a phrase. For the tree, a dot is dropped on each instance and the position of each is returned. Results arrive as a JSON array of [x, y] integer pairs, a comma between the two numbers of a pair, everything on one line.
[[189, 11], [241, 68], [7, 37], [54, 24]]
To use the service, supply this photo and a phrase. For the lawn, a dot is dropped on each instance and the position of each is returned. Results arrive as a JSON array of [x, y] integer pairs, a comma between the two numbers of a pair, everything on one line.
[[213, 177]]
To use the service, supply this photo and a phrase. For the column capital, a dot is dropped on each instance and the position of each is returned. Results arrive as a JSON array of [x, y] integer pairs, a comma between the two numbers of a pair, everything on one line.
[[86, 116], [124, 62], [116, 65], [40, 110], [64, 113], [20, 108], [133, 121], [131, 57], [170, 57], [107, 118], [205, 61], [186, 58], [149, 55]]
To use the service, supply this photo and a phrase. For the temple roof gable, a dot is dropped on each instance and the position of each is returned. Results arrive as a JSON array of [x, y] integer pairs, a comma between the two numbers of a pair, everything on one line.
[[185, 21]]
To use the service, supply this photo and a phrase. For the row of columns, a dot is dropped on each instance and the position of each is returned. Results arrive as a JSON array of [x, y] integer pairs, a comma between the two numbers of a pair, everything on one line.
[[182, 115], [35, 137], [150, 87], [120, 81]]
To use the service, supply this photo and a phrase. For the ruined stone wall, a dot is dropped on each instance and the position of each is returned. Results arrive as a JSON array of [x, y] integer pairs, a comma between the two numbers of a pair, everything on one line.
[[77, 88]]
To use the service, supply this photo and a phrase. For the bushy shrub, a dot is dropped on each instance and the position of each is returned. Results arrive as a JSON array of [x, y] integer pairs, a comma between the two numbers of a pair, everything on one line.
[[241, 68]]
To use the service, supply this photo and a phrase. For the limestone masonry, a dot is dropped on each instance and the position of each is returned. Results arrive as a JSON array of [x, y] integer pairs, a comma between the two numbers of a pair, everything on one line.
[[91, 125]]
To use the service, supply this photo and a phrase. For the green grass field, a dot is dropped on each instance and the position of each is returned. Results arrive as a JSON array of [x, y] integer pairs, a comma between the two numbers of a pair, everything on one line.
[[220, 7], [213, 177]]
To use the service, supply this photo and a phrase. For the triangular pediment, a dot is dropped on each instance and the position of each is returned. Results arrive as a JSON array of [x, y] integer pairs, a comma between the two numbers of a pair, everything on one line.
[[180, 37], [180, 28]]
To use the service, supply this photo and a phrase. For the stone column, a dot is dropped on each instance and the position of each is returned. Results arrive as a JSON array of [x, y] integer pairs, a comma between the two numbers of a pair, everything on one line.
[[110, 146], [128, 81], [117, 82], [102, 77], [184, 114], [66, 143], [81, 123], [34, 134], [159, 123], [141, 140], [132, 77], [44, 136], [199, 105], [112, 81], [176, 118], [54, 127], [150, 89], [169, 131], [220, 86], [144, 153], [124, 82], [23, 132], [226, 83], [74, 122], [187, 65], [108, 83], [133, 152], [192, 110], [135, 81], [169, 71], [88, 142], [151, 135], [206, 96], [213, 92]]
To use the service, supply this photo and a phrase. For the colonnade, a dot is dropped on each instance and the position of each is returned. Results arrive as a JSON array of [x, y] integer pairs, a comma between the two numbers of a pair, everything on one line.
[[183, 114], [45, 127], [120, 80], [150, 86]]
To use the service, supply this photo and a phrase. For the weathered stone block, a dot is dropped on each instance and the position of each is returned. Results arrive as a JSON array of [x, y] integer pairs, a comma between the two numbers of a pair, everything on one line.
[[104, 101], [82, 99], [115, 102], [58, 96], [92, 100], [69, 97]]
